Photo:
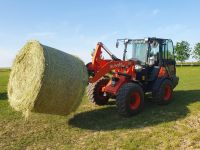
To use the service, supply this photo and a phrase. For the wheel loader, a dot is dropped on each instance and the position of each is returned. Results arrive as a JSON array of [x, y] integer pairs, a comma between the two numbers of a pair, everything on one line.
[[147, 66]]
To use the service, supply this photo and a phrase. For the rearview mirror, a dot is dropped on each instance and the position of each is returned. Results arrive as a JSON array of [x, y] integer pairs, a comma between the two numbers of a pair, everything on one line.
[[117, 44]]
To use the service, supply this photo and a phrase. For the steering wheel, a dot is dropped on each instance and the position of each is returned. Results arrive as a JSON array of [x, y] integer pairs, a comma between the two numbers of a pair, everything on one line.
[[154, 44]]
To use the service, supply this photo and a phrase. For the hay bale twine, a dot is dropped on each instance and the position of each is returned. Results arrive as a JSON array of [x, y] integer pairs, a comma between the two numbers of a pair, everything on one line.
[[46, 80]]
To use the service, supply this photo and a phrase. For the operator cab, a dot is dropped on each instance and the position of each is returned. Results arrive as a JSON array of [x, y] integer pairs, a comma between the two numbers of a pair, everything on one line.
[[149, 54]]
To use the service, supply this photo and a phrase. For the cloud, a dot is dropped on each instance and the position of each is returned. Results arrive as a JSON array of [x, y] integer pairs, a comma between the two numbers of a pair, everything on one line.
[[147, 13], [81, 45], [171, 29], [177, 32], [44, 35], [155, 12]]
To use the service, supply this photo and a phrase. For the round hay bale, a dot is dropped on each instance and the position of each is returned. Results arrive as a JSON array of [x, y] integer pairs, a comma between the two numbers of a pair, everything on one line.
[[46, 80]]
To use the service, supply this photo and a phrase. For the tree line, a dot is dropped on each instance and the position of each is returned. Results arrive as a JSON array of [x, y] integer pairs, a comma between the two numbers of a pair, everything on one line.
[[183, 51]]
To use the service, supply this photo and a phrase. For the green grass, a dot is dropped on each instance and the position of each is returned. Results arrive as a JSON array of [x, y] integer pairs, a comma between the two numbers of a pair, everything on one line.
[[175, 126]]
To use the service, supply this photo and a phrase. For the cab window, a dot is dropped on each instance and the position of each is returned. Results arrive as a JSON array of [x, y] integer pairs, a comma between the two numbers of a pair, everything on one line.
[[170, 52]]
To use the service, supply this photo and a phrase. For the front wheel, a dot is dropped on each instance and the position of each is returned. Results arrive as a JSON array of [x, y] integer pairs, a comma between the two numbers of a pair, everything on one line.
[[130, 99], [95, 94]]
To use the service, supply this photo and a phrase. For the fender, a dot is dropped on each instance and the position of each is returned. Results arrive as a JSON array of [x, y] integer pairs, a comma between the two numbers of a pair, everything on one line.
[[137, 82], [158, 82]]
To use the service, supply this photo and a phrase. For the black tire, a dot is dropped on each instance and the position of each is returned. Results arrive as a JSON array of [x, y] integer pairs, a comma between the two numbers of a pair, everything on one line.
[[130, 99], [163, 95], [95, 94]]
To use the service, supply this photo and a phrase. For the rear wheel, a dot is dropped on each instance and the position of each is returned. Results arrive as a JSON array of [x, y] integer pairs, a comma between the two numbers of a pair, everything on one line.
[[130, 99], [163, 95], [95, 94]]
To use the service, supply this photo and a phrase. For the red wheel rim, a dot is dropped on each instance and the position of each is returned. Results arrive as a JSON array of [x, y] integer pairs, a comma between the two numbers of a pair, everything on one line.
[[168, 93], [135, 100]]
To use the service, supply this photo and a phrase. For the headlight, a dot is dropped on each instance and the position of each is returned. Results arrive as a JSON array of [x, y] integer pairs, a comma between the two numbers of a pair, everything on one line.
[[138, 68]]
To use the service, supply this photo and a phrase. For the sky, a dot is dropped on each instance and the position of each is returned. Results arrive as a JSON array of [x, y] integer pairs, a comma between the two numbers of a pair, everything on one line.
[[75, 26]]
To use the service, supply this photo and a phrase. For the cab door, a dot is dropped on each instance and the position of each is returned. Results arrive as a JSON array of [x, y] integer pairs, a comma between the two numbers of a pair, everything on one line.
[[168, 57]]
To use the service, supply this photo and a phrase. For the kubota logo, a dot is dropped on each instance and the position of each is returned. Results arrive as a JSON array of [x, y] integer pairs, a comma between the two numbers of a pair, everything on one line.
[[116, 65]]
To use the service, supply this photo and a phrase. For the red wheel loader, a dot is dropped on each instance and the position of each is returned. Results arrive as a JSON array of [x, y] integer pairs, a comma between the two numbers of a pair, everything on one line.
[[148, 66]]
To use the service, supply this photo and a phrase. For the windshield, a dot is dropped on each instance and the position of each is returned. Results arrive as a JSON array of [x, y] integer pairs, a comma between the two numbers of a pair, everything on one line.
[[137, 50]]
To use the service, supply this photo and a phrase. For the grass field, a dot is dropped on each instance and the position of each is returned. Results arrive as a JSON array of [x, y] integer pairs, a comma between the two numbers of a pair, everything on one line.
[[175, 126]]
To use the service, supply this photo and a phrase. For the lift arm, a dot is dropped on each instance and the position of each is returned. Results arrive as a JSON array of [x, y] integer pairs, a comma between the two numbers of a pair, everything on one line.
[[112, 65]]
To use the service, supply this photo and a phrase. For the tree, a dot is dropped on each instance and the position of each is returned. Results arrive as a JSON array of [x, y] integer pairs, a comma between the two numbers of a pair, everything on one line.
[[182, 51], [196, 52]]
